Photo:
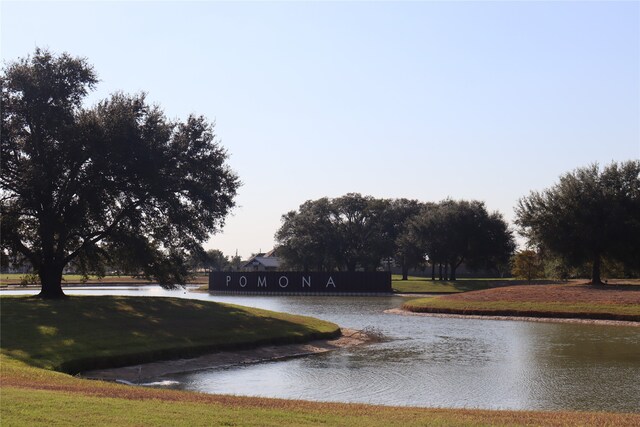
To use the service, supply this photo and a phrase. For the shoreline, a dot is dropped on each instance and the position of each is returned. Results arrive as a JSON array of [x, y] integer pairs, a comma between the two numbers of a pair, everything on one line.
[[516, 318], [141, 373], [17, 287]]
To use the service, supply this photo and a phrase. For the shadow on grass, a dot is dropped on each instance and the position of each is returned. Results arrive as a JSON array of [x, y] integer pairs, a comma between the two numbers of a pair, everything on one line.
[[80, 333]]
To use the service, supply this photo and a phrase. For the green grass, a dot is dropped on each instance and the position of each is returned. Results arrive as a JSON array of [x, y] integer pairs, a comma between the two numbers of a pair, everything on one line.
[[83, 332], [557, 309], [38, 397], [19, 276], [70, 279], [421, 285], [87, 331]]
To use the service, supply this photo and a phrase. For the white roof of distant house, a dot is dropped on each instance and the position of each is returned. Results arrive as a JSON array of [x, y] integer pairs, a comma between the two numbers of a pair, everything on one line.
[[263, 259]]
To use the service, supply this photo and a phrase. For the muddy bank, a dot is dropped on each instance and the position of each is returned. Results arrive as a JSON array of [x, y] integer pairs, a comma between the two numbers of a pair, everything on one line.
[[141, 373], [520, 318]]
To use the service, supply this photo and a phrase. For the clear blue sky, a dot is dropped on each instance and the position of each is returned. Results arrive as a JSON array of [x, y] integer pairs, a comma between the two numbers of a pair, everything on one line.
[[425, 100]]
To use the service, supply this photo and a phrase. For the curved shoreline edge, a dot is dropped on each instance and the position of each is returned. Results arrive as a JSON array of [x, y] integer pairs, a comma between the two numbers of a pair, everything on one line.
[[142, 373], [522, 318]]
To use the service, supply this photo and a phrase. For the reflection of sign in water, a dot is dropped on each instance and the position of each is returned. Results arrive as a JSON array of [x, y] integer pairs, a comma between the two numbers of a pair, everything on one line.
[[298, 282]]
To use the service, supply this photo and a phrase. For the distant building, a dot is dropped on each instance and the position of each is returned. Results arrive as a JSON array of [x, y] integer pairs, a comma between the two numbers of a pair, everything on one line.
[[262, 262]]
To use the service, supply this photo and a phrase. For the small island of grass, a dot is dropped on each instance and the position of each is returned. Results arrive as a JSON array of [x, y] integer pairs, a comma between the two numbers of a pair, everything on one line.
[[84, 332], [582, 301]]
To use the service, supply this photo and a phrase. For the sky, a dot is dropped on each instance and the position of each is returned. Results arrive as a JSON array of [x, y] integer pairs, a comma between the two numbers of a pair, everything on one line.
[[420, 99]]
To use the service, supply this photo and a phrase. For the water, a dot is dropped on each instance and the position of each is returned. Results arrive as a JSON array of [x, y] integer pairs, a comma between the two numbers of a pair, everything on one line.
[[429, 361]]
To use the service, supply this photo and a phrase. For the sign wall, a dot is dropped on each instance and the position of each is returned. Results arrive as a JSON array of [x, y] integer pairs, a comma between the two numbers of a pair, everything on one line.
[[299, 282]]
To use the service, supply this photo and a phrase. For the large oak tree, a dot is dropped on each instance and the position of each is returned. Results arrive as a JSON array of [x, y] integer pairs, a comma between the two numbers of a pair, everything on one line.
[[115, 184], [345, 233], [459, 231], [588, 215]]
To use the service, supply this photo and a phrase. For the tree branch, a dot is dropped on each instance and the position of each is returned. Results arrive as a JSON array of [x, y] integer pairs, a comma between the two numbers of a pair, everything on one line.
[[99, 235]]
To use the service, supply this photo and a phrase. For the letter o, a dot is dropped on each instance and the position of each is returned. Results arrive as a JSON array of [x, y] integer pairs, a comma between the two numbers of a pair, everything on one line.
[[286, 281], [243, 281]]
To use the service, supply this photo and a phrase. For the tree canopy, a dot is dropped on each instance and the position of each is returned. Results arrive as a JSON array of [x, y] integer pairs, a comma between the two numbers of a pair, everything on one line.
[[355, 231], [457, 231], [114, 184], [589, 214], [527, 264], [342, 233]]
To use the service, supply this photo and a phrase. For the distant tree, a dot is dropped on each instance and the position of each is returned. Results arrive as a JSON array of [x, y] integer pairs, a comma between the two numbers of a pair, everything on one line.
[[345, 233], [454, 232], [363, 238], [117, 183], [214, 260], [408, 250], [428, 237], [5, 261], [494, 244], [527, 265], [235, 262], [589, 214], [307, 238]]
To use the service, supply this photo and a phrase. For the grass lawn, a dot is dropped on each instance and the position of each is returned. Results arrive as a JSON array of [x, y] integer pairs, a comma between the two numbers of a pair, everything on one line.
[[615, 302], [79, 332], [38, 397], [82, 332], [77, 279], [421, 285]]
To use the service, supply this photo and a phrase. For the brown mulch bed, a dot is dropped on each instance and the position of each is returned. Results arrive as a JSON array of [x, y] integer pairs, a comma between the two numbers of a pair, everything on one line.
[[569, 293]]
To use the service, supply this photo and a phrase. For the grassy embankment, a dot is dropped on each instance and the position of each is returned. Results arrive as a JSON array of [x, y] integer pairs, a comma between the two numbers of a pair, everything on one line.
[[78, 333], [35, 397], [38, 336], [613, 302], [15, 279], [424, 285]]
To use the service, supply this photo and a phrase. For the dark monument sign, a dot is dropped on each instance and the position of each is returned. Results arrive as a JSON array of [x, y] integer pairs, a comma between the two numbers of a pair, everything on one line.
[[292, 282]]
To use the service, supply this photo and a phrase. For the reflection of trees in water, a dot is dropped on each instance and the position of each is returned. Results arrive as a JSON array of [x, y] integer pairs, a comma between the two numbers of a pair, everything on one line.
[[586, 367]]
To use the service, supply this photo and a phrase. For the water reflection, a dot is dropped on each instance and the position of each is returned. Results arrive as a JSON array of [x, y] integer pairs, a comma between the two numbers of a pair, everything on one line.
[[431, 361], [589, 366]]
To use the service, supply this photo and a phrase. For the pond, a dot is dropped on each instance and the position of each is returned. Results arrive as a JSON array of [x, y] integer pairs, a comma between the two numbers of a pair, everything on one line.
[[429, 361]]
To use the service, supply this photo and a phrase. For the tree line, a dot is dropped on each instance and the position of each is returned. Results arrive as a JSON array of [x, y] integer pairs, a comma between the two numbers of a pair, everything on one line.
[[587, 222], [362, 232], [119, 184]]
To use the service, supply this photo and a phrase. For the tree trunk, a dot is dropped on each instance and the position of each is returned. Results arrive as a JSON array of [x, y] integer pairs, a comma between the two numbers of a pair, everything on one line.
[[51, 281], [405, 272], [446, 271], [433, 271], [440, 271], [452, 276], [595, 273]]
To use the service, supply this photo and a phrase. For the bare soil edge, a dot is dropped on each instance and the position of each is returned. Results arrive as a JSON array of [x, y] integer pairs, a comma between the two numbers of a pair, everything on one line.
[[517, 318], [139, 374]]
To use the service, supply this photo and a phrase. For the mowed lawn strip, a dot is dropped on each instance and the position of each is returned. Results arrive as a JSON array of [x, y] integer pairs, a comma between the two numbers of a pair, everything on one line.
[[614, 302], [417, 285], [90, 332], [14, 279], [37, 397]]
